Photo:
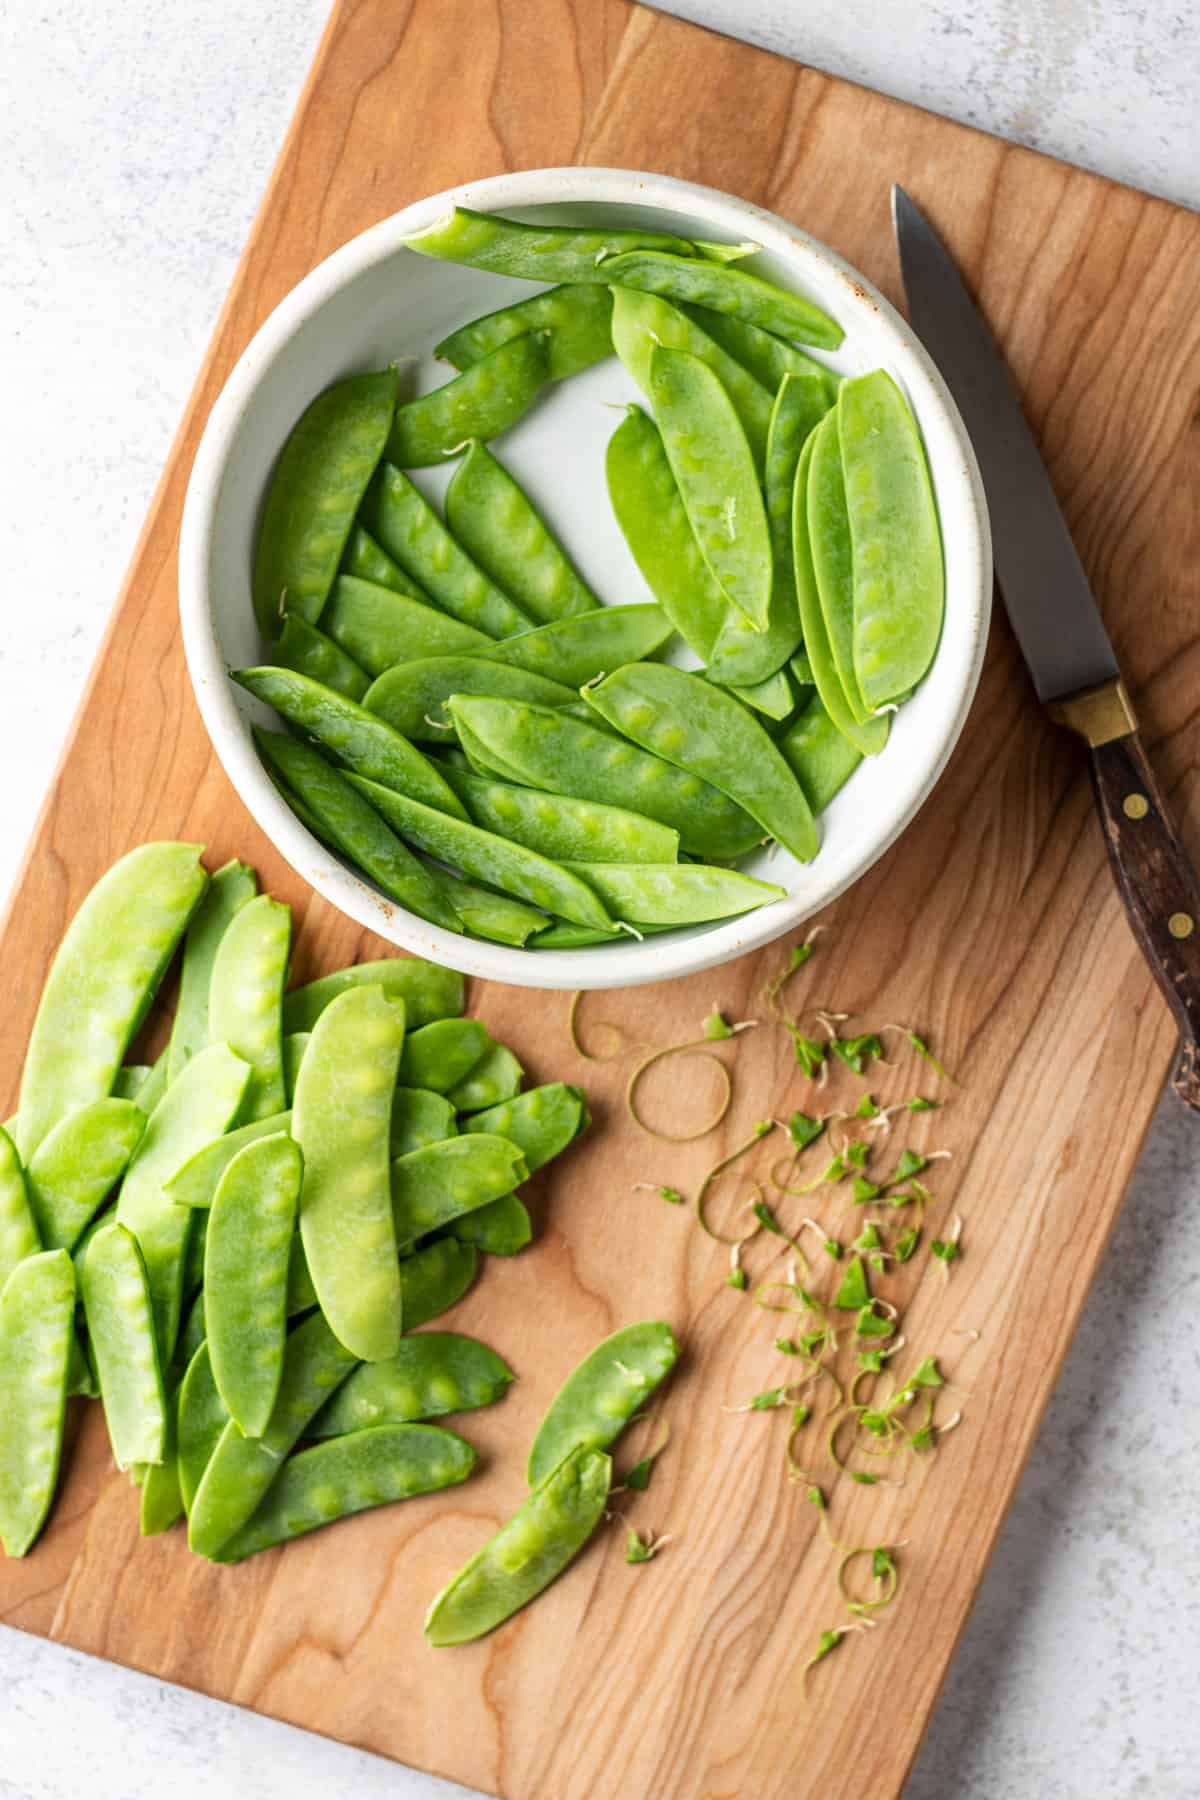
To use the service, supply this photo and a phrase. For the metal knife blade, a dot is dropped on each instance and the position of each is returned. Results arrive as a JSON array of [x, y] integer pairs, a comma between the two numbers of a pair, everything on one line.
[[1042, 582]]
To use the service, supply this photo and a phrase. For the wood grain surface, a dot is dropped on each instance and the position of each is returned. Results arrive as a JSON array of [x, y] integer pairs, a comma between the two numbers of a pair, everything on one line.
[[993, 926]]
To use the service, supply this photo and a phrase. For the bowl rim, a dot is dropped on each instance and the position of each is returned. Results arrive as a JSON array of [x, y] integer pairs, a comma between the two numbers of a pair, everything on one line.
[[683, 952]]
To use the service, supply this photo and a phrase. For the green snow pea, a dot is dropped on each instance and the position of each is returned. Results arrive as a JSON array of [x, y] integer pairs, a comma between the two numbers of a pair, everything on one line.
[[19, 1235], [194, 1110], [556, 826], [341, 1119], [349, 1475], [360, 739], [832, 557], [526, 1554], [245, 1276], [575, 650], [379, 628], [410, 531], [246, 1000], [295, 1043], [774, 696], [441, 1053], [195, 1182], [419, 1117], [201, 1418], [485, 914], [193, 1261], [365, 560], [428, 991], [541, 1123], [821, 759], [76, 1165], [765, 356], [561, 936], [677, 893], [486, 857], [412, 696], [495, 1077], [162, 1497], [310, 652], [706, 731], [577, 321], [318, 482], [437, 1373], [355, 827], [712, 465], [239, 1469], [897, 548], [538, 747], [229, 890], [643, 323], [37, 1312], [192, 1334], [104, 975], [128, 1081], [496, 522], [301, 1294], [800, 405], [430, 1187], [502, 1228], [532, 252], [435, 1278], [725, 290], [121, 1332], [482, 402], [601, 1395]]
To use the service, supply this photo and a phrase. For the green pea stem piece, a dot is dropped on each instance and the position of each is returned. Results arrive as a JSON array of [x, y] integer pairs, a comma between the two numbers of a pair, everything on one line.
[[19, 1235], [37, 1311], [428, 991], [496, 522], [442, 1053], [201, 1418], [103, 977], [602, 1394], [437, 1184], [832, 555], [577, 321], [436, 1373], [766, 357], [315, 491], [310, 652], [341, 1119], [725, 290], [644, 322], [379, 628], [560, 827], [245, 1005], [119, 1309], [365, 560], [482, 402], [532, 252], [419, 1117], [496, 1077], [435, 1278], [501, 1228], [412, 696], [676, 893], [854, 1291], [76, 1166], [819, 756], [541, 1123], [527, 1553], [195, 1182], [245, 1276], [229, 890]]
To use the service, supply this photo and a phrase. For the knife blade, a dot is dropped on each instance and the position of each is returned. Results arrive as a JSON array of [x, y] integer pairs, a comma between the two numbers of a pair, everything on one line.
[[1059, 628]]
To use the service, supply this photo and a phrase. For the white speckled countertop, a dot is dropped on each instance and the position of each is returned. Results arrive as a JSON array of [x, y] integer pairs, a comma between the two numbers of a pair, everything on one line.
[[134, 145]]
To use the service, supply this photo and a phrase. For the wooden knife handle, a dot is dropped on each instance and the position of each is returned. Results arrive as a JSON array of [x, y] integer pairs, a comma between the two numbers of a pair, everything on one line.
[[1159, 887]]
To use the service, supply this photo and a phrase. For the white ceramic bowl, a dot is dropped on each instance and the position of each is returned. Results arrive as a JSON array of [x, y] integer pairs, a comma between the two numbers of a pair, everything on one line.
[[374, 302]]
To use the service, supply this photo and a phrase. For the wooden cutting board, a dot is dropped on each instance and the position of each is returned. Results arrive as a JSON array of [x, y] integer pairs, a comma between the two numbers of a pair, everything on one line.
[[993, 926]]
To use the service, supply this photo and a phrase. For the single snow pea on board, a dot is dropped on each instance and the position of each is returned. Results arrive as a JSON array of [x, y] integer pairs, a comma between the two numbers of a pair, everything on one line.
[[419, 1117], [724, 289], [532, 252], [821, 759], [501, 1228], [601, 1395], [348, 1475], [365, 560], [121, 1332], [577, 321], [310, 652], [201, 1417], [341, 1119], [433, 1186], [480, 403], [541, 1123], [379, 628], [665, 894], [428, 991], [412, 696], [573, 650], [76, 1166], [442, 1052], [19, 1235], [315, 491], [246, 1273], [527, 1553], [103, 978], [37, 1313], [437, 1373], [231, 888], [246, 1000], [557, 826], [495, 1077], [832, 557], [496, 522], [195, 1182], [767, 357], [435, 1278]]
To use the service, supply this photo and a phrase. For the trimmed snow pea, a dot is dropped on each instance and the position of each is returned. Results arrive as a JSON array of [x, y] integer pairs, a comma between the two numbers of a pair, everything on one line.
[[898, 576], [37, 1313], [497, 917], [541, 1122], [355, 828], [576, 649], [379, 628], [821, 759], [430, 1187], [496, 522], [532, 252], [310, 652], [561, 936], [318, 482], [104, 975], [412, 696], [77, 1164], [231, 888], [725, 290], [497, 1076], [526, 1554], [706, 731], [556, 826], [765, 356], [195, 1182], [774, 696], [194, 1110], [441, 1053], [538, 747], [437, 1373], [832, 557], [428, 991], [239, 1469], [643, 323], [502, 1228], [435, 1278], [360, 739], [341, 1119], [348, 1475], [201, 1418], [577, 321], [365, 560], [19, 1235], [800, 405], [246, 1000], [602, 1393], [118, 1306], [677, 893], [245, 1276], [483, 401], [295, 1043], [411, 532], [419, 1117], [486, 857]]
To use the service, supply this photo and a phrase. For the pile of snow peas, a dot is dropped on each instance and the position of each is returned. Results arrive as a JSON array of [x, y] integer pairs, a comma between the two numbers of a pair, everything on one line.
[[469, 725]]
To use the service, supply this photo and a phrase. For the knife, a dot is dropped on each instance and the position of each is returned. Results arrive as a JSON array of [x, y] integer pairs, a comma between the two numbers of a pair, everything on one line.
[[1060, 631]]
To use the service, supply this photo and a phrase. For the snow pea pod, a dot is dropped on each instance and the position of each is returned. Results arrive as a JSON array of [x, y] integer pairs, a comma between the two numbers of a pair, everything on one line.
[[245, 1007], [428, 991], [557, 826], [495, 1077], [379, 628], [773, 697], [430, 1187], [539, 747], [532, 252], [482, 402], [341, 1119], [501, 1228], [800, 405], [601, 1395], [151, 1091], [229, 890], [195, 1182], [119, 1309], [574, 650], [435, 1278], [527, 1553], [643, 322], [310, 652], [245, 1276], [577, 321], [128, 1082], [441, 1053], [821, 759], [437, 1373], [541, 1122], [677, 893], [411, 532], [318, 482], [898, 577], [295, 1043], [104, 975], [412, 696], [301, 1294], [497, 917], [162, 1498], [487, 857], [365, 560], [348, 1475], [724, 289], [701, 728], [832, 557], [201, 1419], [76, 1166], [561, 936], [419, 1117], [494, 519], [766, 357], [37, 1312], [19, 1235]]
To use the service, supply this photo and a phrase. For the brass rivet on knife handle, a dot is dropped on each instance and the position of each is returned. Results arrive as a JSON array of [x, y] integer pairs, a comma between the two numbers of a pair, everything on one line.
[[1135, 806], [1181, 925], [1099, 715]]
